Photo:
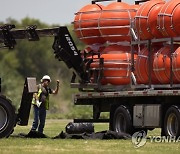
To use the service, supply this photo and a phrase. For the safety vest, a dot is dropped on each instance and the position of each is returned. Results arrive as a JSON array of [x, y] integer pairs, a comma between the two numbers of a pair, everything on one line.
[[38, 94]]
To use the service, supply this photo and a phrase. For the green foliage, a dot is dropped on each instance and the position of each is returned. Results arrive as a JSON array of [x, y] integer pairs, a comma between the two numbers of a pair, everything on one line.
[[36, 59]]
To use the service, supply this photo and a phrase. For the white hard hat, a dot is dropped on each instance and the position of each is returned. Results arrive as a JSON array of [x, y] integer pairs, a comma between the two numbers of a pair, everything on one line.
[[46, 77]]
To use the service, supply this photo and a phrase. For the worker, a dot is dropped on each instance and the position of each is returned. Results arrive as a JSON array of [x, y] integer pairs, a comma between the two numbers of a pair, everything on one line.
[[41, 103]]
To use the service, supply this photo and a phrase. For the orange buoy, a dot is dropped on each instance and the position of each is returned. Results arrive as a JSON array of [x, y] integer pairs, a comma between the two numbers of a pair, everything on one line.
[[114, 23], [86, 24], [142, 67], [168, 19], [146, 19], [117, 65], [117, 68], [176, 64], [162, 65]]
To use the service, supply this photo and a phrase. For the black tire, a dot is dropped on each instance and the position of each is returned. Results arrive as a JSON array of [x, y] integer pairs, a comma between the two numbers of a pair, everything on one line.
[[122, 121], [172, 122], [7, 117]]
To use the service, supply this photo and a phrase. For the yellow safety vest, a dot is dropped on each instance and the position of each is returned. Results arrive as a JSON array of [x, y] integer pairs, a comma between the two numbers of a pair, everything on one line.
[[38, 94]]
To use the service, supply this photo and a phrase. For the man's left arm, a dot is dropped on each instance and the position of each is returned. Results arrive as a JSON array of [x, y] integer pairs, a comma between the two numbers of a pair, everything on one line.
[[57, 88]]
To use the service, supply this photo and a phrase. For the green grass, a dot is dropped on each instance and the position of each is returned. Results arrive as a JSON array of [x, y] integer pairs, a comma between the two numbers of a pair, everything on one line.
[[15, 145]]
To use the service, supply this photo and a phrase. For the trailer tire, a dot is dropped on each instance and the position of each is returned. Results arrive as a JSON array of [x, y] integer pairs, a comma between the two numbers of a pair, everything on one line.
[[122, 122], [7, 117], [172, 122]]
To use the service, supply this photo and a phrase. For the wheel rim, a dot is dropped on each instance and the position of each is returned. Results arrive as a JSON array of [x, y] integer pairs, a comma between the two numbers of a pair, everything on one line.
[[120, 124], [3, 118], [172, 125]]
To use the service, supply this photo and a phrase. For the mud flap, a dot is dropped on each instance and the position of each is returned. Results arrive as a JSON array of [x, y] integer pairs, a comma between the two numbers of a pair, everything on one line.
[[24, 110]]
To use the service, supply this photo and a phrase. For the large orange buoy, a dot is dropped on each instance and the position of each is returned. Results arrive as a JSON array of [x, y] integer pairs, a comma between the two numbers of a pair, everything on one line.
[[86, 24], [117, 65], [176, 64], [146, 19], [114, 23], [168, 19], [162, 65], [142, 67]]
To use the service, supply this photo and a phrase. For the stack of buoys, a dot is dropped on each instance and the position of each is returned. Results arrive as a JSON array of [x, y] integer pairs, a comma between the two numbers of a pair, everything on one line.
[[97, 24], [109, 26], [160, 65], [158, 19]]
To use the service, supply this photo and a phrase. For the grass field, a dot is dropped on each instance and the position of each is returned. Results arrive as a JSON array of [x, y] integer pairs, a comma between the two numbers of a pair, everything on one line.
[[15, 145]]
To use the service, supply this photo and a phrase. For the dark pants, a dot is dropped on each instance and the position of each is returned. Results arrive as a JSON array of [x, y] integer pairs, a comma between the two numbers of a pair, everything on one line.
[[39, 118]]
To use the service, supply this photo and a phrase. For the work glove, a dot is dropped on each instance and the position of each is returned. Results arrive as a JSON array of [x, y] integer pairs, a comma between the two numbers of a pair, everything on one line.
[[38, 103]]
